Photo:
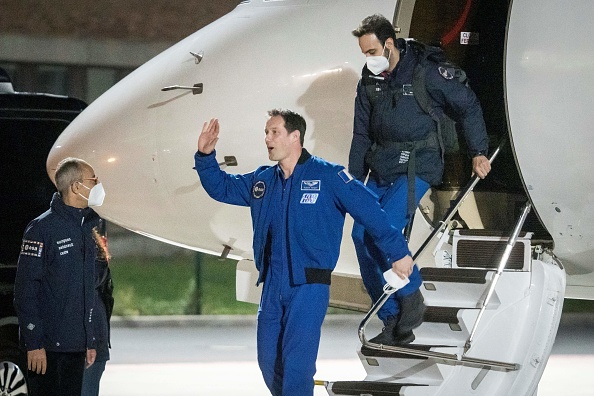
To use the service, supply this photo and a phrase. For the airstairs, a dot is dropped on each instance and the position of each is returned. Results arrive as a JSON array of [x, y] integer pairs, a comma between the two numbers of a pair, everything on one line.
[[493, 309]]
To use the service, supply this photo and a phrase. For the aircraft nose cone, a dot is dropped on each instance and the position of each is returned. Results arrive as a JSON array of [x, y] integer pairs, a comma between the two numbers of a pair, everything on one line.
[[111, 137]]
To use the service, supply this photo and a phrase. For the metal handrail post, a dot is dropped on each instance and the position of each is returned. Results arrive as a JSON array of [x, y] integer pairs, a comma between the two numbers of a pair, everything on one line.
[[502, 263], [388, 290]]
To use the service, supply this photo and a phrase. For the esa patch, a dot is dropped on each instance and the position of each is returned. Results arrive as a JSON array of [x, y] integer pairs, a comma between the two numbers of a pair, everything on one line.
[[309, 198], [445, 73], [259, 189], [345, 176], [31, 248], [310, 185]]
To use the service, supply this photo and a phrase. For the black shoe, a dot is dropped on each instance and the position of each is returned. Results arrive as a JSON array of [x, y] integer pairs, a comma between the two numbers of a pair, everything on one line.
[[412, 310], [386, 337], [404, 338]]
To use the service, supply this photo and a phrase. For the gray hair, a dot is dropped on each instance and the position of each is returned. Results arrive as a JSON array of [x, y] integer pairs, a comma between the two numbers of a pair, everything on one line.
[[69, 171]]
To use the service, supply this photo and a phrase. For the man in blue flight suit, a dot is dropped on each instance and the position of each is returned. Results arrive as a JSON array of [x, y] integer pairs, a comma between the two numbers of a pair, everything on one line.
[[298, 208], [54, 286], [384, 134]]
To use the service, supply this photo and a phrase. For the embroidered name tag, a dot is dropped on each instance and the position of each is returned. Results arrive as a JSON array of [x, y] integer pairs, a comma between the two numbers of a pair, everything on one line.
[[310, 185], [63, 245], [31, 248], [309, 198]]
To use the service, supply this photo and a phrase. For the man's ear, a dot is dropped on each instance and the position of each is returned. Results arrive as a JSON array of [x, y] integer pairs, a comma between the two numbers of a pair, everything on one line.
[[390, 43]]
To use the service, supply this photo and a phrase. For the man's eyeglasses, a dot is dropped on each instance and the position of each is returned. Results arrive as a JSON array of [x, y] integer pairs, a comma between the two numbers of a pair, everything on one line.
[[94, 179]]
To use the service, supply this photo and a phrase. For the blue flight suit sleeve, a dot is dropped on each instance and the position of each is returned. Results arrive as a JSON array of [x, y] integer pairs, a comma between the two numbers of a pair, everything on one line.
[[27, 287], [222, 186], [361, 140], [460, 100], [363, 206]]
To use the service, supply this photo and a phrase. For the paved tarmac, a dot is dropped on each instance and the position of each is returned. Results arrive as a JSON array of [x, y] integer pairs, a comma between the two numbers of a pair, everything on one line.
[[216, 356]]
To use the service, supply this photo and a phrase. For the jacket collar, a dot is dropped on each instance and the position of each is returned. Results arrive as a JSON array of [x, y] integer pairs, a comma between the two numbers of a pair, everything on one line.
[[305, 155], [76, 215]]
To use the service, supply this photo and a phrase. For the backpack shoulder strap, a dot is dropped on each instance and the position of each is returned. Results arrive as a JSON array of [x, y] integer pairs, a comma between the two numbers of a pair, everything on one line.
[[419, 86]]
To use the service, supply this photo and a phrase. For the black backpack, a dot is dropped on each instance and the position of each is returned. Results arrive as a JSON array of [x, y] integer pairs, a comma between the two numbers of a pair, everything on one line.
[[428, 57]]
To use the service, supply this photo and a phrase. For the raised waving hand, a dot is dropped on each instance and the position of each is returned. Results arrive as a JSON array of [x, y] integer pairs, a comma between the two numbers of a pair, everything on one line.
[[209, 136]]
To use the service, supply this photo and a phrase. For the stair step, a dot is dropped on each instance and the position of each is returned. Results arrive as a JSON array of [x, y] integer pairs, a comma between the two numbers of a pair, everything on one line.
[[453, 287], [366, 388], [484, 249], [440, 334], [441, 315], [456, 275], [369, 352]]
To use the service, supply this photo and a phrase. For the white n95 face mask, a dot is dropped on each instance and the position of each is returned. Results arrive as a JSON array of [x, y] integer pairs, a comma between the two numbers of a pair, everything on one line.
[[377, 64], [96, 196]]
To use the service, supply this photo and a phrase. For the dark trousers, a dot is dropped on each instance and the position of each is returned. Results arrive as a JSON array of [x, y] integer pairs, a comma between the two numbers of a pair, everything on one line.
[[63, 376]]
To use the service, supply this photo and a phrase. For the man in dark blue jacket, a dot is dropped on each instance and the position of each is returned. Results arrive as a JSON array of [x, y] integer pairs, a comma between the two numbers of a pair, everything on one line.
[[54, 286], [298, 208], [395, 143]]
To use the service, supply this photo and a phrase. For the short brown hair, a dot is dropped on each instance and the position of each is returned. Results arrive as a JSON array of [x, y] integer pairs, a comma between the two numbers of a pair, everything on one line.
[[293, 121]]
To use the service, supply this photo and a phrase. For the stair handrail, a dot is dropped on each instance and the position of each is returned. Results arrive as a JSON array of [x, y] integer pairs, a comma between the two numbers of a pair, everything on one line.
[[511, 242], [455, 205]]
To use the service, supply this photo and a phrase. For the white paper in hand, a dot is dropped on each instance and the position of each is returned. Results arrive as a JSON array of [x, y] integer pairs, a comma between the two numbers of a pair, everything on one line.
[[394, 280]]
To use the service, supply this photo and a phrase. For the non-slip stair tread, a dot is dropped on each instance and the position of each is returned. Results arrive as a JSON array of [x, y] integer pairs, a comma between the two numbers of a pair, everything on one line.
[[442, 314], [370, 352], [369, 388], [455, 275]]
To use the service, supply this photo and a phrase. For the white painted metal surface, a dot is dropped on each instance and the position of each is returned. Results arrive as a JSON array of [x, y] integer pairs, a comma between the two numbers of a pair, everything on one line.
[[550, 93]]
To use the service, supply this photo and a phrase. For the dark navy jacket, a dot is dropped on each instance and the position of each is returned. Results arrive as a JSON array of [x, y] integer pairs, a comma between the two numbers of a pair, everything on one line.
[[54, 287], [321, 194], [408, 122]]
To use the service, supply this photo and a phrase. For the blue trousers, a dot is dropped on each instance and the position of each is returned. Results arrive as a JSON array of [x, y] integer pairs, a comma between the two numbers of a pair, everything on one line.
[[372, 262], [91, 379], [289, 328]]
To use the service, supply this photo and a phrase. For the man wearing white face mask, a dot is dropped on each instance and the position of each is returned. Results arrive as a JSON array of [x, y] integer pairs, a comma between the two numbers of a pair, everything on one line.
[[54, 286], [398, 148]]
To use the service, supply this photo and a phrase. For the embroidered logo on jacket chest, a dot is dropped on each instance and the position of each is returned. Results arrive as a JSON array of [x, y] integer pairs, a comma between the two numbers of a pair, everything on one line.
[[311, 185], [258, 189], [309, 198]]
